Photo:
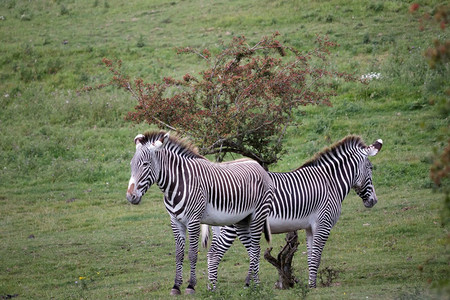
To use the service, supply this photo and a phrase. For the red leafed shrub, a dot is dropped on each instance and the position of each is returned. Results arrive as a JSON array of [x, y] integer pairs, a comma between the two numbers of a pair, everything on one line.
[[242, 102], [439, 54]]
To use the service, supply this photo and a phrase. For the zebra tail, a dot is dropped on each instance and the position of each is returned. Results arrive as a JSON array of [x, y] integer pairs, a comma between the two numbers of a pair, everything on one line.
[[267, 232], [205, 235]]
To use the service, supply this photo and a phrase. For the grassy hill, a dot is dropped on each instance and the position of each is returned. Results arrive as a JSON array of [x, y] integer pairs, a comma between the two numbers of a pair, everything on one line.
[[66, 229]]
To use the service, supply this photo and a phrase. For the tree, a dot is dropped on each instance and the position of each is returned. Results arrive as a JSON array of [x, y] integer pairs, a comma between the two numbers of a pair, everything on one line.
[[439, 53], [283, 262], [241, 103], [438, 56]]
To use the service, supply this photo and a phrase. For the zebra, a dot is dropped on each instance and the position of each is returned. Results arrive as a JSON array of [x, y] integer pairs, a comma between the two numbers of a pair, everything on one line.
[[198, 191], [311, 196]]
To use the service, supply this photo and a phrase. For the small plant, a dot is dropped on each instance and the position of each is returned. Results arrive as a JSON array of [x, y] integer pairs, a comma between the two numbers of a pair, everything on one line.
[[327, 276], [258, 291], [366, 38], [10, 4], [47, 41], [64, 10], [27, 74], [377, 6], [220, 293], [302, 289], [140, 43], [81, 282], [54, 65]]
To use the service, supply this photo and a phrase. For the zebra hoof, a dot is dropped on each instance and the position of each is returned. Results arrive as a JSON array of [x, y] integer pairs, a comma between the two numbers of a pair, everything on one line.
[[175, 292], [189, 291]]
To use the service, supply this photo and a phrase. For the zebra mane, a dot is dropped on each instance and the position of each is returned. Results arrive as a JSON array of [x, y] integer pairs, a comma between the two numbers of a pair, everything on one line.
[[175, 144], [349, 142]]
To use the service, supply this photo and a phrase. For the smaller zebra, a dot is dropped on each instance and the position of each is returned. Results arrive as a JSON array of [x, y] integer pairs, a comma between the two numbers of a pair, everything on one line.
[[311, 197]]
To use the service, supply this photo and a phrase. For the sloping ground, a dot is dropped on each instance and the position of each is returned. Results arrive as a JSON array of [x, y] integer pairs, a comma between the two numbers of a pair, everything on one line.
[[66, 229]]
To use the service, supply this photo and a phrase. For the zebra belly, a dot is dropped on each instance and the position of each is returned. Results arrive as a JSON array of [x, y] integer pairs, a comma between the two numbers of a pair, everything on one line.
[[213, 216], [278, 225]]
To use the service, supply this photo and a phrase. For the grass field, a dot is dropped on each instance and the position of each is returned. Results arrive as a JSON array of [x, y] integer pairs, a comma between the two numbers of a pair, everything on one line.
[[66, 229]]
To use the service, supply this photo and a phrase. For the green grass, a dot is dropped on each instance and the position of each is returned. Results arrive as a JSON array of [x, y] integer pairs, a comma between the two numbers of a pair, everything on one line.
[[66, 230]]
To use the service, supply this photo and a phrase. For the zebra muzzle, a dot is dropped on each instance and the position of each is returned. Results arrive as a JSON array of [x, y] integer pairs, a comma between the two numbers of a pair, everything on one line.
[[133, 199], [370, 202], [131, 195]]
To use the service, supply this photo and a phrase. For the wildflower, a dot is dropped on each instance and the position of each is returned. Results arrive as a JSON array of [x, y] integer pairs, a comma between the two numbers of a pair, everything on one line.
[[370, 76]]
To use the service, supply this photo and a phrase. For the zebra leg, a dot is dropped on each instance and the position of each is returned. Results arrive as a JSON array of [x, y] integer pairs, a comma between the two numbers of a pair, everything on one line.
[[255, 253], [250, 239], [319, 239], [179, 232], [194, 232], [219, 245], [309, 244], [256, 228], [244, 237]]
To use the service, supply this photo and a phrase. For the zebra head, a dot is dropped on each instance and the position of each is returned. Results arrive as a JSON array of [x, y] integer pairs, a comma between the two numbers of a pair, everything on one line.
[[363, 184], [145, 167]]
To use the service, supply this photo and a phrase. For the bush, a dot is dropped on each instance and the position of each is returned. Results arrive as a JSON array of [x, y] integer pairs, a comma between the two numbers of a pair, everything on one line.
[[243, 102]]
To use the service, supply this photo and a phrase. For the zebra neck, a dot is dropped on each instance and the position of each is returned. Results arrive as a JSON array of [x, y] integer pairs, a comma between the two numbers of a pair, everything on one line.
[[174, 180], [340, 173]]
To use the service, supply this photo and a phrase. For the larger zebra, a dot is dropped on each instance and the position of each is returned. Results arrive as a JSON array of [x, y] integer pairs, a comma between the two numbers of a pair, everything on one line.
[[310, 197], [198, 191]]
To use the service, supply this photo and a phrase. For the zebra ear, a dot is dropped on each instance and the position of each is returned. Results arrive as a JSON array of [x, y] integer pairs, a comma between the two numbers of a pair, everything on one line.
[[373, 149], [163, 140], [139, 140]]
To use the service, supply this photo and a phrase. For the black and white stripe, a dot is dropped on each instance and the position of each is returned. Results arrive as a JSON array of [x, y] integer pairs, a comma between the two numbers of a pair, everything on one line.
[[198, 191], [310, 197]]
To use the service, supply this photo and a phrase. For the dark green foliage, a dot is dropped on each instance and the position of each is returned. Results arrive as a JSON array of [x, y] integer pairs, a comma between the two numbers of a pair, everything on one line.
[[140, 43], [64, 10]]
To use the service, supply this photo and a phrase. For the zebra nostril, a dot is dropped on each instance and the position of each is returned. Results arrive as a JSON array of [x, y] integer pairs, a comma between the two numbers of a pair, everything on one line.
[[133, 199], [370, 202], [130, 197]]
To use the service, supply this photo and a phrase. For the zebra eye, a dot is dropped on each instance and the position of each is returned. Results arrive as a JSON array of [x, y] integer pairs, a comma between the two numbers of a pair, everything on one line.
[[145, 164]]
